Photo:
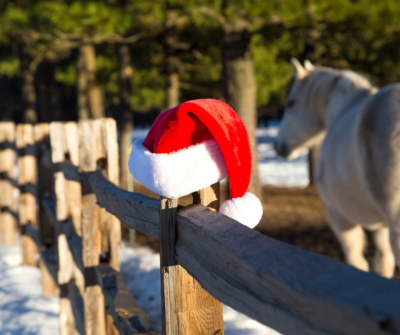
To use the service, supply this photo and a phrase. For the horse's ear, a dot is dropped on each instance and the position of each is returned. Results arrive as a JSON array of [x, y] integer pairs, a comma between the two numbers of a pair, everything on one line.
[[298, 70], [308, 66]]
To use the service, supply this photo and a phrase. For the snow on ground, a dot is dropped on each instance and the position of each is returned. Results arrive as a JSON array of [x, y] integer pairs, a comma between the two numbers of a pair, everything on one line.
[[140, 268], [277, 171], [24, 311]]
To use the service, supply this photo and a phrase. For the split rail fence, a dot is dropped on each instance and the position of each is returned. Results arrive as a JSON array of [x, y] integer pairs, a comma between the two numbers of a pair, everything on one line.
[[69, 207]]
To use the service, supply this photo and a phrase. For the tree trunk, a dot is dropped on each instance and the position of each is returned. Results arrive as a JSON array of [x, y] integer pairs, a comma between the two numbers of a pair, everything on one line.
[[42, 90], [126, 116], [48, 94], [94, 92], [81, 86], [172, 90], [240, 89], [170, 42], [28, 85]]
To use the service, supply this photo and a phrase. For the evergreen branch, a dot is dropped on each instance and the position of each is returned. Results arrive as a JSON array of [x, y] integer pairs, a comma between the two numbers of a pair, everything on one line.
[[213, 15]]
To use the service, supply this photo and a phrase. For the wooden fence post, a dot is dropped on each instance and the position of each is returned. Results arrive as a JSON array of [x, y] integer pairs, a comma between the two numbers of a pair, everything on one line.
[[7, 183], [43, 156], [113, 225], [90, 144], [101, 230], [186, 307], [27, 182], [67, 186]]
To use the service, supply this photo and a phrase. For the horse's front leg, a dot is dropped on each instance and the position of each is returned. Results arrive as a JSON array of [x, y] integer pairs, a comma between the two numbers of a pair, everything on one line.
[[351, 237], [384, 262]]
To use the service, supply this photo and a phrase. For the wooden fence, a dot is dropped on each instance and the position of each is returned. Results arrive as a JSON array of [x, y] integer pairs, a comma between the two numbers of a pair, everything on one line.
[[78, 241], [206, 258]]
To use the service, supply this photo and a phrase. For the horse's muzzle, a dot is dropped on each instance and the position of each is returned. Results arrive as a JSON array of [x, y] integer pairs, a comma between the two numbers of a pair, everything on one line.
[[281, 149]]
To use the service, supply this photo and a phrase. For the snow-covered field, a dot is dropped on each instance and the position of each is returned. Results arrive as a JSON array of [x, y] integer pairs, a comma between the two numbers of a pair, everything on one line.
[[24, 311], [22, 308]]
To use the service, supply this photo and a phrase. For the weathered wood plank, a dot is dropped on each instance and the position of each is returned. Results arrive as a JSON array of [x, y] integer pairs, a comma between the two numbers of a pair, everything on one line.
[[49, 286], [50, 210], [205, 312], [72, 321], [64, 149], [112, 224], [91, 149], [46, 237], [284, 287], [49, 257], [125, 316], [138, 211], [209, 197], [169, 271], [292, 290], [7, 183], [27, 181], [186, 307]]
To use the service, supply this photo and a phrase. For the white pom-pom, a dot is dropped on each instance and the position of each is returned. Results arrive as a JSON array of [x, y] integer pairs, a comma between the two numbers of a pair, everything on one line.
[[247, 209]]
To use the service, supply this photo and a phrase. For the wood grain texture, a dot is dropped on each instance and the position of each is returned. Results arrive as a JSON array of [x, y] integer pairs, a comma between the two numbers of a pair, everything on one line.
[[49, 285], [186, 307], [8, 207], [87, 146], [208, 196], [65, 154], [207, 310], [45, 238], [284, 287], [28, 184], [292, 290], [65, 159], [49, 257], [124, 315], [169, 271], [71, 315], [189, 308], [45, 181], [113, 225], [91, 149], [168, 211], [137, 210], [66, 318], [95, 318], [57, 141]]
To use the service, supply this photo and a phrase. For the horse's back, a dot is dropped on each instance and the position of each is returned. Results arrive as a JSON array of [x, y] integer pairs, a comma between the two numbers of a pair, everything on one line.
[[339, 172], [379, 143]]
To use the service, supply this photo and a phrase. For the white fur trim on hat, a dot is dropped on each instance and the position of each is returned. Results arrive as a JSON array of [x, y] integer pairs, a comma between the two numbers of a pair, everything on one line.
[[247, 209], [178, 173]]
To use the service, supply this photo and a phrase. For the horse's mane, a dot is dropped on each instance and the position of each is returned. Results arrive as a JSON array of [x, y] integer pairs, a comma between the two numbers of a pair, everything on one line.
[[322, 80]]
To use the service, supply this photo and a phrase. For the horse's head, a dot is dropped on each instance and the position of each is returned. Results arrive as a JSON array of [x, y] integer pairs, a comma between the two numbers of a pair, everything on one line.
[[317, 97], [302, 124]]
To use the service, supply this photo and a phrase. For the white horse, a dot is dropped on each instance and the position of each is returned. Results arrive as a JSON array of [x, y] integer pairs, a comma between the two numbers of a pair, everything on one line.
[[358, 169]]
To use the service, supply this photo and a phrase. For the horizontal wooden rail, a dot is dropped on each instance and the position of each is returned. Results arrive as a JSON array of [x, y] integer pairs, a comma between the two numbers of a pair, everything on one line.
[[289, 289], [128, 317]]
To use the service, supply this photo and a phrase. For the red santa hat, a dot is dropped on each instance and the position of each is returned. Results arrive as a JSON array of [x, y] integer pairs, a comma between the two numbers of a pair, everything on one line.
[[195, 145]]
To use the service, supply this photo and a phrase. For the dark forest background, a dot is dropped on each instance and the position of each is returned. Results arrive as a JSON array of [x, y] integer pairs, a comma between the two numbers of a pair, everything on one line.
[[132, 59]]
